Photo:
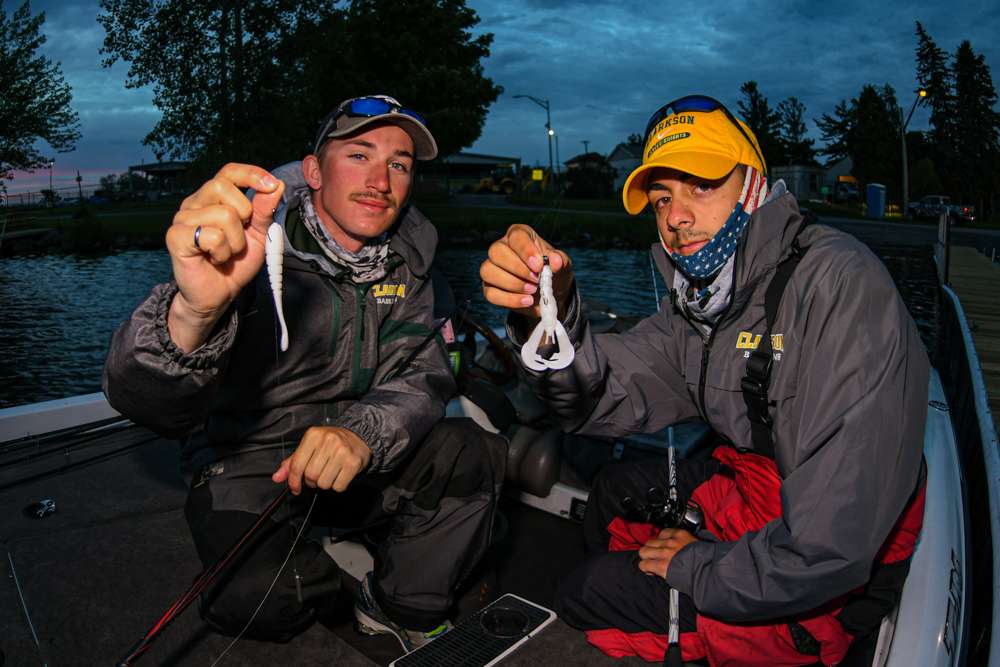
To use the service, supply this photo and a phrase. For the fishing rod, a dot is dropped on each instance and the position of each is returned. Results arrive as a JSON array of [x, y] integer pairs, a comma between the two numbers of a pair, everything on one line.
[[201, 582], [672, 657]]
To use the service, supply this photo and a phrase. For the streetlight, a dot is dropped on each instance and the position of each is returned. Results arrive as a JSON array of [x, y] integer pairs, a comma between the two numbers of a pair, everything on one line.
[[921, 94], [548, 125], [558, 161]]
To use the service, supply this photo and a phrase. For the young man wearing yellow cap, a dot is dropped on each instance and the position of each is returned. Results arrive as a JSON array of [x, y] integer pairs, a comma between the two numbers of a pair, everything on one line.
[[792, 343]]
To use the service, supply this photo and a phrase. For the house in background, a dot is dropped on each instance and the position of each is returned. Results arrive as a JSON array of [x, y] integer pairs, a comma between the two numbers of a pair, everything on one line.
[[805, 182], [589, 175], [466, 172], [623, 159]]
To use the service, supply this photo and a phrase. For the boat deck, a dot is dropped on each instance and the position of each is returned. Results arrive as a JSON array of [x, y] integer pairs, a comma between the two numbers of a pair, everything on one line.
[[974, 278], [98, 572]]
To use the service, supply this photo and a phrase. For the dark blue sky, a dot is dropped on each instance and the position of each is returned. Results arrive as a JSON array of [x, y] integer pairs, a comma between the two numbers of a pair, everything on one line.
[[604, 66]]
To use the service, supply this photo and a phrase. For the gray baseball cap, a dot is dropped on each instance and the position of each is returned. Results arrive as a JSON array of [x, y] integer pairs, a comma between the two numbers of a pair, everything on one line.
[[353, 114]]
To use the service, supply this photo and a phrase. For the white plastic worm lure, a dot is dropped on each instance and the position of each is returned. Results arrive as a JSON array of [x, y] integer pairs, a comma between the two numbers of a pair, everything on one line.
[[550, 327], [274, 256]]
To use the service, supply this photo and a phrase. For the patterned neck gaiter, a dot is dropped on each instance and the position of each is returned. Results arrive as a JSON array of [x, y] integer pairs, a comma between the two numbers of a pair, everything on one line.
[[713, 256], [367, 265]]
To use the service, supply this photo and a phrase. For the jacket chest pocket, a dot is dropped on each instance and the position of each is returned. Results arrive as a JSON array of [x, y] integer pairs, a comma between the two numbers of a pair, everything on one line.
[[725, 403]]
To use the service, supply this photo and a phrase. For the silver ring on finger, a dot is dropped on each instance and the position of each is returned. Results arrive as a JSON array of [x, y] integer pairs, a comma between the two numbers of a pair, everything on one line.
[[197, 237]]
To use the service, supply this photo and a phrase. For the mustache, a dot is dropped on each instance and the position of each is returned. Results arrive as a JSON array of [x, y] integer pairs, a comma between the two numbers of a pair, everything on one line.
[[687, 239], [384, 198]]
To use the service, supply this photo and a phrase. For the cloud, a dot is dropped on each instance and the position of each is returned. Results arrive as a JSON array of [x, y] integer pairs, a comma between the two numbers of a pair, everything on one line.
[[604, 66]]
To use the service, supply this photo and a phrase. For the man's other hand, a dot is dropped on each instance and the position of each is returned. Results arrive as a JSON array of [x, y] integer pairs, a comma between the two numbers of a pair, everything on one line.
[[328, 457], [655, 556], [216, 246], [510, 272]]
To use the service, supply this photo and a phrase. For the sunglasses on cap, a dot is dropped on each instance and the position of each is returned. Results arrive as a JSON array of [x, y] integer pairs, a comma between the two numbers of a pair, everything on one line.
[[366, 107], [701, 103]]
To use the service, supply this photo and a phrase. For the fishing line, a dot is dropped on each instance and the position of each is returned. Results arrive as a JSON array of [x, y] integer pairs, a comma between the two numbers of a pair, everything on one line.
[[652, 273], [24, 605], [274, 581]]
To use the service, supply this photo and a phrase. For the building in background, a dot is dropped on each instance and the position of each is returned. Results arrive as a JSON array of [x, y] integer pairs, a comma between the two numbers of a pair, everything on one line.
[[624, 158]]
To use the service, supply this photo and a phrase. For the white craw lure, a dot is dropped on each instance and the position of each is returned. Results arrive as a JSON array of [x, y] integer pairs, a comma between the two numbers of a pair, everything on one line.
[[549, 330], [274, 256]]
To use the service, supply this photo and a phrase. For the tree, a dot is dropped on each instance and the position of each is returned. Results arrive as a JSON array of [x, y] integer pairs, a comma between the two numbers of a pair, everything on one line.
[[867, 131], [798, 148], [35, 102], [835, 131], [935, 76], [250, 81], [208, 63], [420, 51], [976, 126], [109, 183], [764, 122]]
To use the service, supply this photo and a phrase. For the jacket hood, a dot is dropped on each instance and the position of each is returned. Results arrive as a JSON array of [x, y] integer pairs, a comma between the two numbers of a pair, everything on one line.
[[412, 237]]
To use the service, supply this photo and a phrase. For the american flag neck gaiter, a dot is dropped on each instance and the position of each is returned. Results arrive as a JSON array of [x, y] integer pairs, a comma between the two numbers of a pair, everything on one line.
[[709, 259]]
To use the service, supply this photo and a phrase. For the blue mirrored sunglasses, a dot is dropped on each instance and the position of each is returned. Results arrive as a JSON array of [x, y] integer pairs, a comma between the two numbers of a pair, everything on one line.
[[361, 107], [701, 103], [366, 107]]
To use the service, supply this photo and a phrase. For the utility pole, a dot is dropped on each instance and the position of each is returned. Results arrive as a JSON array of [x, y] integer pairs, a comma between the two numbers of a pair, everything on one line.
[[586, 145], [79, 187], [921, 93], [548, 127]]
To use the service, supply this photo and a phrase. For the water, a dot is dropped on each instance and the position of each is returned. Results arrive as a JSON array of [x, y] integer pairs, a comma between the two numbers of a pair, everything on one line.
[[58, 312]]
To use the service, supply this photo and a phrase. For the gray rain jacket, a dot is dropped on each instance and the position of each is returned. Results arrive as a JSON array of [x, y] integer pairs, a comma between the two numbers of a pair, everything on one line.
[[849, 386], [348, 363]]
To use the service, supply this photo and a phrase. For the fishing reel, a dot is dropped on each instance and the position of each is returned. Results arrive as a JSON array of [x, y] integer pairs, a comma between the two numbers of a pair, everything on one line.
[[664, 510]]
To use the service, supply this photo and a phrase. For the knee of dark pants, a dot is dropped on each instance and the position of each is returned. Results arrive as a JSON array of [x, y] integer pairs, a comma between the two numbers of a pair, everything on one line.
[[281, 618], [481, 460], [603, 492], [575, 592]]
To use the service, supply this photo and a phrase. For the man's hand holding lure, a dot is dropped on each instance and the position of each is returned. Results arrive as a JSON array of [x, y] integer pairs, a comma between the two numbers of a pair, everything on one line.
[[527, 275], [550, 327]]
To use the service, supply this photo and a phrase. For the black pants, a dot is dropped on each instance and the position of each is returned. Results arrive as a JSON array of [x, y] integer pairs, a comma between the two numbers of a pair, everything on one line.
[[609, 590], [439, 504]]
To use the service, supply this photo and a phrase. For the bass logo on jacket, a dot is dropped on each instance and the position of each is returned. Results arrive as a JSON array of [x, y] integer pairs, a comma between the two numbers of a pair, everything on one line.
[[748, 341], [386, 294]]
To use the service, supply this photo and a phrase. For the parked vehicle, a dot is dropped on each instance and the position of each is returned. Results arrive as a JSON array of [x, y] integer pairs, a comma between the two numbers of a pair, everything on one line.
[[962, 214], [929, 206], [846, 193], [932, 206]]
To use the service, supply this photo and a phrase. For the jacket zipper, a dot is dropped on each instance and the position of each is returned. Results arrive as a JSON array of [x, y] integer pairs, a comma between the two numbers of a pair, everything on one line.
[[359, 337], [708, 347]]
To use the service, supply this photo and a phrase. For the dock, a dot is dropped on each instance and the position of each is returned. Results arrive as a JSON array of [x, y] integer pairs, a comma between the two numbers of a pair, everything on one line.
[[976, 281]]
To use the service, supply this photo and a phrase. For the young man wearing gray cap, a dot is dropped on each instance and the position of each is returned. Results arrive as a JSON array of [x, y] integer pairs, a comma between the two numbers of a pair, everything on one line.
[[791, 341], [349, 416]]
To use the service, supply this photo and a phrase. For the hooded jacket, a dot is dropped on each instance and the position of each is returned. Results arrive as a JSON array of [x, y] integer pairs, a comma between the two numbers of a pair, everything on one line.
[[365, 357], [848, 391]]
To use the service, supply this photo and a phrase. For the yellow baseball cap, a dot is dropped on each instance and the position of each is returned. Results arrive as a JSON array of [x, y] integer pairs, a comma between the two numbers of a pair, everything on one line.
[[696, 135]]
